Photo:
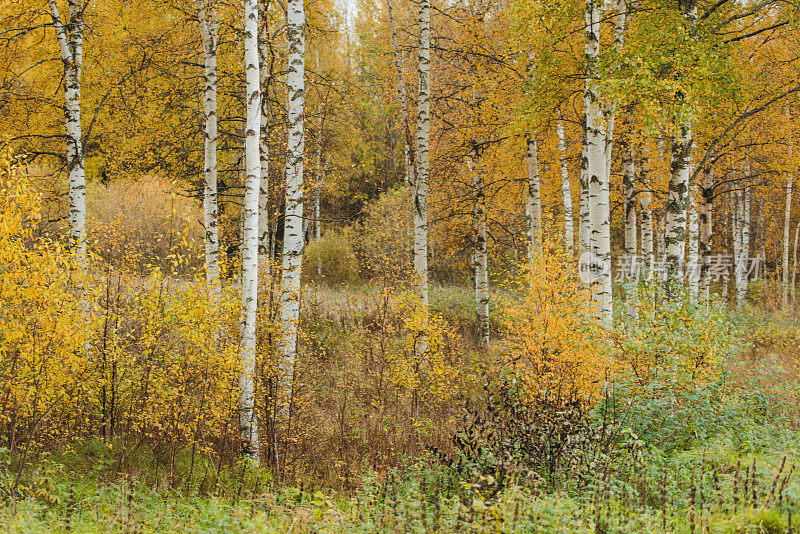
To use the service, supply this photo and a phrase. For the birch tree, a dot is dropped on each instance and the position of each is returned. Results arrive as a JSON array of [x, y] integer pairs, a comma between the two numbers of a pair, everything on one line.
[[629, 206], [69, 35], [794, 266], [741, 242], [293, 224], [681, 152], [629, 195], [481, 262], [533, 203], [692, 249], [609, 112], [422, 175], [786, 221], [648, 256], [264, 256], [706, 230], [247, 416], [207, 15], [598, 194], [583, 209], [401, 97], [569, 231]]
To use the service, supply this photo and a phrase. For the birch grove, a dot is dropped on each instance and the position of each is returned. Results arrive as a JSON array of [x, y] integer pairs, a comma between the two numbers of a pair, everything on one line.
[[542, 220], [248, 423]]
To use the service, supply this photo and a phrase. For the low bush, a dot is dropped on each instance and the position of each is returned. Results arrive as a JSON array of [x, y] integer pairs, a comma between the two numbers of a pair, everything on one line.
[[331, 260]]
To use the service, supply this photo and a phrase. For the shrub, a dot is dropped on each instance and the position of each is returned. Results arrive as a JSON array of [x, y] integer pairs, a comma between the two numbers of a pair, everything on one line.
[[385, 235], [144, 222], [330, 259]]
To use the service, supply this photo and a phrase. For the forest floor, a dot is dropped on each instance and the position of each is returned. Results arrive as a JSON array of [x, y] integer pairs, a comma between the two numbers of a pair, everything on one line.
[[694, 458]]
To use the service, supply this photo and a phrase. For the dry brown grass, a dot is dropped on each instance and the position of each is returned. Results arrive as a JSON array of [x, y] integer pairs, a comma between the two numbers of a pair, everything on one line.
[[144, 221]]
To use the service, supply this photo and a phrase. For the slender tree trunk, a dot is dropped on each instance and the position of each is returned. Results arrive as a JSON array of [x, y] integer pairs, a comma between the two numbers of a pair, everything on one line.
[[681, 153], [209, 33], [264, 258], [610, 112], [583, 222], [599, 224], [741, 246], [422, 175], [629, 192], [533, 204], [401, 97], [730, 231], [480, 255], [247, 415], [706, 231], [320, 172], [293, 241], [647, 235], [569, 232], [786, 222], [677, 205], [70, 43], [692, 248], [318, 210], [794, 266], [741, 295]]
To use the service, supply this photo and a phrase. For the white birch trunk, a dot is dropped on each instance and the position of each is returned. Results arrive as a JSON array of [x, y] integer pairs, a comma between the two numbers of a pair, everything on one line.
[[692, 249], [247, 416], [610, 113], [740, 247], [677, 205], [583, 214], [731, 226], [401, 97], [786, 222], [794, 266], [741, 296], [70, 42], [422, 175], [677, 201], [533, 204], [264, 258], [629, 192], [706, 231], [569, 231], [209, 33], [293, 224], [599, 235], [648, 257], [480, 255]]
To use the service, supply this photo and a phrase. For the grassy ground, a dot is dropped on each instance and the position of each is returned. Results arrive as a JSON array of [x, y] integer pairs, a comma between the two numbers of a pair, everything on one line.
[[703, 456]]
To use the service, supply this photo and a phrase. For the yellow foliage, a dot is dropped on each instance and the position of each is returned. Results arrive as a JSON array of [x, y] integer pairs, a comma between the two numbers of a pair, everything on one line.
[[552, 342], [42, 338]]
